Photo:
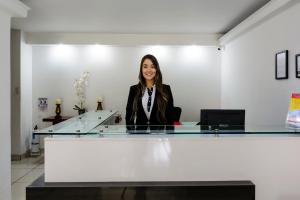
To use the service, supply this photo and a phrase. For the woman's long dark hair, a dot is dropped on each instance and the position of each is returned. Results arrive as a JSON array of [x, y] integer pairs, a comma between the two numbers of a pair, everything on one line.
[[161, 96]]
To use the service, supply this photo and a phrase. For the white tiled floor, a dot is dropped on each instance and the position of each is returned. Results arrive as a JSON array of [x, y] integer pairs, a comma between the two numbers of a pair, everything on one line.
[[23, 173]]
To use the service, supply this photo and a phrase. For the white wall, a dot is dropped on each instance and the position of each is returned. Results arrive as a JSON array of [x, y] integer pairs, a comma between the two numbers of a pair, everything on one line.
[[15, 92], [192, 71], [26, 94], [248, 69], [8, 9], [21, 94], [5, 172]]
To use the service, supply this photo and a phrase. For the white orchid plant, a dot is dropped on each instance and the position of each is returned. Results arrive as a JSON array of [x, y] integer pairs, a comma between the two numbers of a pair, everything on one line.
[[80, 86]]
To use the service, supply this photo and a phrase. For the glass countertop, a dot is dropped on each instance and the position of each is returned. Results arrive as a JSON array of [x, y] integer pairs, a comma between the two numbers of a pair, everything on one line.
[[102, 123], [193, 128], [96, 123]]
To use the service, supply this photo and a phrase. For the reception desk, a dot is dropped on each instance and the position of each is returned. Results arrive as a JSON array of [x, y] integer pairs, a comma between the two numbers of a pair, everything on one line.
[[267, 156]]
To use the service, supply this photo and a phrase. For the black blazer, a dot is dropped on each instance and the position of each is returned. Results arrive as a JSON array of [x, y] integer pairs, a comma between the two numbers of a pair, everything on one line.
[[141, 117]]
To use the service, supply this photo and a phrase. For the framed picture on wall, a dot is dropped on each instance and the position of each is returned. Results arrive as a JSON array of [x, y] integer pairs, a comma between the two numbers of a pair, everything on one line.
[[281, 65], [298, 66]]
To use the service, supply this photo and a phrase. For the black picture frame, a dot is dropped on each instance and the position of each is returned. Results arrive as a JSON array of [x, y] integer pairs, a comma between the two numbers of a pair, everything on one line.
[[281, 65], [297, 65]]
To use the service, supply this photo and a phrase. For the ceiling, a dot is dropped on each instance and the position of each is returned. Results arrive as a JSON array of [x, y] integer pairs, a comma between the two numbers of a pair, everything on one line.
[[136, 16]]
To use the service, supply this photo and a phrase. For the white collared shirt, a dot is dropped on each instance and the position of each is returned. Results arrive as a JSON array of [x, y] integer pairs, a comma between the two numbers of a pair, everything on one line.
[[145, 101]]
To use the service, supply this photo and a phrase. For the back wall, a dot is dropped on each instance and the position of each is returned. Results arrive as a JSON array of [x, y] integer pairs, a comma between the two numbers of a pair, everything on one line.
[[192, 71]]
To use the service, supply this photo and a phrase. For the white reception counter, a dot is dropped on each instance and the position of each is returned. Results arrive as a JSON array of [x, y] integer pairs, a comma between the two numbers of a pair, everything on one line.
[[269, 158]]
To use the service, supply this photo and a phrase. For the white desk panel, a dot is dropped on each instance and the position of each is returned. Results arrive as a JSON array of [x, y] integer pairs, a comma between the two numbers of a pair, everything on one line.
[[272, 163]]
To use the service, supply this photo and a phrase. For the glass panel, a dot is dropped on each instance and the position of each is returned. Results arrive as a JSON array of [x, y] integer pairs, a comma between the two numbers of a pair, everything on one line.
[[191, 129], [100, 123], [81, 124]]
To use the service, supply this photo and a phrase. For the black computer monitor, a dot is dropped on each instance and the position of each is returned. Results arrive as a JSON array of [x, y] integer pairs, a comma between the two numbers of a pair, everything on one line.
[[222, 119]]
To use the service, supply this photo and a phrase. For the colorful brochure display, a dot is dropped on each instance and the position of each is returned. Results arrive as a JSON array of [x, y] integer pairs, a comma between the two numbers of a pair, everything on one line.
[[293, 116]]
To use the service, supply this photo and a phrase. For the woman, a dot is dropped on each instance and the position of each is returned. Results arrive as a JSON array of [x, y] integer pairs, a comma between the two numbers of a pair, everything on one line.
[[150, 102]]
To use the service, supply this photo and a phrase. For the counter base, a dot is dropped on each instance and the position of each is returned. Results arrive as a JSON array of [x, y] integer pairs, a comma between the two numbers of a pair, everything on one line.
[[176, 190]]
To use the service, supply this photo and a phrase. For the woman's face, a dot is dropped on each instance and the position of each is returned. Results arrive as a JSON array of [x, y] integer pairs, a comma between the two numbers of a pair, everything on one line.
[[148, 69]]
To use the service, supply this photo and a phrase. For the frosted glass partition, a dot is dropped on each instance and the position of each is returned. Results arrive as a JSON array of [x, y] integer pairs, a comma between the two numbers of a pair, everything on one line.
[[82, 124]]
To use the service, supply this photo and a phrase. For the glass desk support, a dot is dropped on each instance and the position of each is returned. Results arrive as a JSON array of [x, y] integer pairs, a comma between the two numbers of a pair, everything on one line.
[[80, 125]]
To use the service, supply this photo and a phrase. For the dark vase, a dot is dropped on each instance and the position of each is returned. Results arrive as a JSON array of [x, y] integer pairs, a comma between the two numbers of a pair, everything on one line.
[[81, 111], [57, 111], [99, 106]]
